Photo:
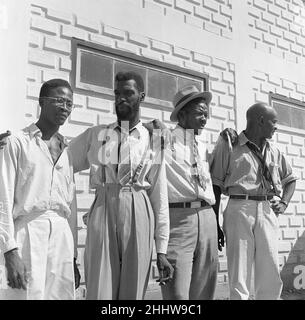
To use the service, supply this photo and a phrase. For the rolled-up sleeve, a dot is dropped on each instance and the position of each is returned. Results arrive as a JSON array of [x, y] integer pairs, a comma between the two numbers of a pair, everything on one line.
[[219, 162], [285, 171], [159, 201], [8, 172]]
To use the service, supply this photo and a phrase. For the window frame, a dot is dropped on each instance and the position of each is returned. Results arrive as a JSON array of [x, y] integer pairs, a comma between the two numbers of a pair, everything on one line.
[[274, 97], [132, 58]]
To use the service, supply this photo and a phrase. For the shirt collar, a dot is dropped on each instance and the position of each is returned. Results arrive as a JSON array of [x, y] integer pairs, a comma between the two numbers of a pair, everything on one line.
[[187, 133], [34, 131], [243, 140], [137, 128]]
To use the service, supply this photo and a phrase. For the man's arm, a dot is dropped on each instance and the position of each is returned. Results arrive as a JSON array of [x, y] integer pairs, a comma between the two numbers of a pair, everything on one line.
[[217, 193], [219, 162], [16, 270], [73, 226], [78, 149], [159, 200], [288, 181], [279, 206], [159, 126]]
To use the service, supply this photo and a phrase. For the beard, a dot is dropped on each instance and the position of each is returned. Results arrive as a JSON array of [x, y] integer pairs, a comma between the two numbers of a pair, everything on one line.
[[126, 112]]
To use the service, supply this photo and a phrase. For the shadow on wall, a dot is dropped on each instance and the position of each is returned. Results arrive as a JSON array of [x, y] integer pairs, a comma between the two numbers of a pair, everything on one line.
[[293, 272]]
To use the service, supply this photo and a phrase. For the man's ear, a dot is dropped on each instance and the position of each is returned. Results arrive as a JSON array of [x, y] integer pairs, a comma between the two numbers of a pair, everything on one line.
[[142, 96], [261, 120]]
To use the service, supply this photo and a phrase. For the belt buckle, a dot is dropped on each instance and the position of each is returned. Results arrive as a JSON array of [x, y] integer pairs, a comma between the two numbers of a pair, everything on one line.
[[195, 204]]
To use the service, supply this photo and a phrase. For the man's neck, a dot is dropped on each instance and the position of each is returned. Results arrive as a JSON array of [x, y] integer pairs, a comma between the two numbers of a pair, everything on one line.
[[48, 130], [131, 123], [254, 137], [190, 130]]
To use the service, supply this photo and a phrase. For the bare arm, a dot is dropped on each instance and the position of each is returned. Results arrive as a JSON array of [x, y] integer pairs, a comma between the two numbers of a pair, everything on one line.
[[279, 206], [217, 193]]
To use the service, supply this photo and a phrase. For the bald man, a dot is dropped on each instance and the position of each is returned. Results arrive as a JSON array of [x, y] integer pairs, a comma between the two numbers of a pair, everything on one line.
[[259, 182]]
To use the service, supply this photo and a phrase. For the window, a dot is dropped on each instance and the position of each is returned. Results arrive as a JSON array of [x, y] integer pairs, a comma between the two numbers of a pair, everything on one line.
[[95, 67], [291, 112]]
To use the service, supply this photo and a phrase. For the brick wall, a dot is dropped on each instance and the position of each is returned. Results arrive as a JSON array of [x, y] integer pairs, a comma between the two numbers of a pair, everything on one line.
[[211, 15], [50, 56], [277, 27]]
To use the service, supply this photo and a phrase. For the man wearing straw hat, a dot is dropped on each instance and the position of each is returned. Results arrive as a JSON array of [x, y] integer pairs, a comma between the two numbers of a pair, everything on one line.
[[192, 248]]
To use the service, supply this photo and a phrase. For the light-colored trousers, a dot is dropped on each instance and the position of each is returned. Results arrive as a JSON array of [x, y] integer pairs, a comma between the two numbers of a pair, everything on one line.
[[119, 245], [45, 245], [193, 251], [251, 229]]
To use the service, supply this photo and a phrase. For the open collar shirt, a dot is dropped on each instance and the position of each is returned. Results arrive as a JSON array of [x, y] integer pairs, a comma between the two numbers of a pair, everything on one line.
[[30, 182], [239, 171]]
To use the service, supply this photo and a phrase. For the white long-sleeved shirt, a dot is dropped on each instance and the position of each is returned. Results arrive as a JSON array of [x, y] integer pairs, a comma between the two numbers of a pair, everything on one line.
[[99, 145], [182, 186], [30, 182]]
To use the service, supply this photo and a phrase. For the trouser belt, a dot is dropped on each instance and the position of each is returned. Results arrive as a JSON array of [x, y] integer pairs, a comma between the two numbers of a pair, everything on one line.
[[192, 204], [248, 197]]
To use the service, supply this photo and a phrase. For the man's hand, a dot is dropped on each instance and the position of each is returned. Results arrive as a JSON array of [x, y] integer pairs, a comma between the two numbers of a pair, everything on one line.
[[76, 274], [159, 125], [166, 270], [277, 206], [16, 270], [2, 138], [155, 124], [230, 135], [221, 238]]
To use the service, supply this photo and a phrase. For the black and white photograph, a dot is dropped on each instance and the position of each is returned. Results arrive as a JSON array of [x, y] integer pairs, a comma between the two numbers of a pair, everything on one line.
[[152, 154]]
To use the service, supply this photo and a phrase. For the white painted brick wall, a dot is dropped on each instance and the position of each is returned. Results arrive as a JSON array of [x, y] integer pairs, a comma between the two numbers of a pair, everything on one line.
[[41, 58], [217, 14], [57, 45], [68, 31], [184, 6], [138, 39], [46, 26], [276, 27], [113, 32], [59, 16], [86, 24]]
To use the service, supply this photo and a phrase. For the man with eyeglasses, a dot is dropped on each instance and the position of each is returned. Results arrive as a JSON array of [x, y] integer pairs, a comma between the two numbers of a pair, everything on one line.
[[37, 208]]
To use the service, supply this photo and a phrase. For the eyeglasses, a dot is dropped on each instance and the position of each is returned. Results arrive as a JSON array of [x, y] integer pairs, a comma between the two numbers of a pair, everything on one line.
[[61, 102]]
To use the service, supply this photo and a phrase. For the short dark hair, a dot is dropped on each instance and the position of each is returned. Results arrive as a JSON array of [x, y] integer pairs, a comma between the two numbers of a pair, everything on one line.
[[51, 84], [130, 75]]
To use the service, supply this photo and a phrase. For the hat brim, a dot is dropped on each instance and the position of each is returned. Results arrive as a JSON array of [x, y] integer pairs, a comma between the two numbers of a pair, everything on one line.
[[206, 95]]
